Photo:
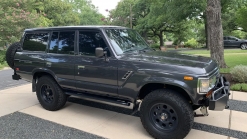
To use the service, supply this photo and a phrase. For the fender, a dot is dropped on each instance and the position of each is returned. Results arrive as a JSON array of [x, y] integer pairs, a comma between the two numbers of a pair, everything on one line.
[[131, 88], [41, 70]]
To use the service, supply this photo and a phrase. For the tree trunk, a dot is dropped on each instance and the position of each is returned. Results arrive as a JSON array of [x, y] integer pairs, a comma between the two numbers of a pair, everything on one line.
[[145, 35], [206, 33], [161, 38], [215, 31]]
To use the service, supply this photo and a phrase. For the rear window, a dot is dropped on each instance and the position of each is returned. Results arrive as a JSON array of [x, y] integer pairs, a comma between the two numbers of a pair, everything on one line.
[[35, 41]]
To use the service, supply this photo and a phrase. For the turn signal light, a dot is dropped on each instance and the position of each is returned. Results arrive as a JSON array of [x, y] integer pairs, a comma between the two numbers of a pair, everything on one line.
[[188, 78], [209, 94]]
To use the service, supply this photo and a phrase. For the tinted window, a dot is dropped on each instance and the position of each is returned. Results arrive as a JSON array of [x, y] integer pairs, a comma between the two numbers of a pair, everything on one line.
[[35, 41], [88, 41], [62, 43], [232, 38]]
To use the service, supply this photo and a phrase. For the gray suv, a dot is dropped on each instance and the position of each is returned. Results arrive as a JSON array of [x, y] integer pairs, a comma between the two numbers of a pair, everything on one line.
[[115, 66]]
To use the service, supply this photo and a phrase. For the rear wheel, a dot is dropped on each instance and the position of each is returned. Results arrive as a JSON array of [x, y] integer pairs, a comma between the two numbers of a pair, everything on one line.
[[243, 46], [49, 94], [164, 114]]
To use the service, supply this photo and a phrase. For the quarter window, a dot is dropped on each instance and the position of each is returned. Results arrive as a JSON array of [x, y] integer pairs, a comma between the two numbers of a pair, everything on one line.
[[35, 41], [62, 42]]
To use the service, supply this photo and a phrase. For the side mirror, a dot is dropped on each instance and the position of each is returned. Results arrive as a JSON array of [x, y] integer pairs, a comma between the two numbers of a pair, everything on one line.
[[99, 52], [236, 39]]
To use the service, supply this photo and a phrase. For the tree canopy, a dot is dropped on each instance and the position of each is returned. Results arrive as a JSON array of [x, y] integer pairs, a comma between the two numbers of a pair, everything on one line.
[[18, 15]]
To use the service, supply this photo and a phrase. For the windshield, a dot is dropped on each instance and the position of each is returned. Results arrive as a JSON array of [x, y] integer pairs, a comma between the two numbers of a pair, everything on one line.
[[125, 40]]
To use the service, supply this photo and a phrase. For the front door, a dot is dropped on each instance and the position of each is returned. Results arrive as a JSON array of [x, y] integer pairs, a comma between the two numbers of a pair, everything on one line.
[[95, 75]]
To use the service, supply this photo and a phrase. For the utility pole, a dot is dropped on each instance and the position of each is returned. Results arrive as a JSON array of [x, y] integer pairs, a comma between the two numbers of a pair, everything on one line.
[[130, 16]]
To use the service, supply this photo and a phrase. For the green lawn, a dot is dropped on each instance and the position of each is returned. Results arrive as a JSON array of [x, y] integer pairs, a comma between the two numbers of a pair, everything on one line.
[[233, 57]]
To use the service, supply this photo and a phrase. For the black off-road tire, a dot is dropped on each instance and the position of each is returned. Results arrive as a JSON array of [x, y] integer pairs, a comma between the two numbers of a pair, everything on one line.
[[180, 106], [10, 53], [59, 97]]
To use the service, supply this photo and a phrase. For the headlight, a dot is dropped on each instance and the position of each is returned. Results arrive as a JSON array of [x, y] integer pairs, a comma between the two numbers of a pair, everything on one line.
[[206, 84]]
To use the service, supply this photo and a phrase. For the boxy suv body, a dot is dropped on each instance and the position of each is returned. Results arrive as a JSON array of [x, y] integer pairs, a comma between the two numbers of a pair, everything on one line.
[[114, 65]]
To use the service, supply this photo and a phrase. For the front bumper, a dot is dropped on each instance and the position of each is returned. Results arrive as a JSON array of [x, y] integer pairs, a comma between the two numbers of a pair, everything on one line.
[[220, 96]]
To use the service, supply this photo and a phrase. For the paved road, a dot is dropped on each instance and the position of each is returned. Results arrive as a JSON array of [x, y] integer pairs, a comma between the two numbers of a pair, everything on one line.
[[6, 79], [23, 117]]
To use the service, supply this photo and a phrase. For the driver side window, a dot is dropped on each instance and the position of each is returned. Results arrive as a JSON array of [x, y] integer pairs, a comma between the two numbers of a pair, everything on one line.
[[89, 41]]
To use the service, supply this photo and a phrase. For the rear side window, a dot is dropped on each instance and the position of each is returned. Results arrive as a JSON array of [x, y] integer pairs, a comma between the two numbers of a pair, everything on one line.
[[62, 42], [35, 41]]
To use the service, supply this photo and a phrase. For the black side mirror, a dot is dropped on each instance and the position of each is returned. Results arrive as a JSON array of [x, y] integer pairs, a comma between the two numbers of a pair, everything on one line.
[[99, 52]]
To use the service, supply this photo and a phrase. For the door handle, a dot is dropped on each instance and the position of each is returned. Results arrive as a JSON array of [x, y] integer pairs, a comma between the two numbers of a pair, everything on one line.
[[81, 67]]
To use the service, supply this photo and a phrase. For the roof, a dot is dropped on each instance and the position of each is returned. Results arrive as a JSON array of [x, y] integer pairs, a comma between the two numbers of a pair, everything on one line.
[[74, 27]]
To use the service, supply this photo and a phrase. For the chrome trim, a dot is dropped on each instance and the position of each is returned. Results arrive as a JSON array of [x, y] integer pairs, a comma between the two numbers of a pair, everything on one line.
[[221, 80], [217, 74]]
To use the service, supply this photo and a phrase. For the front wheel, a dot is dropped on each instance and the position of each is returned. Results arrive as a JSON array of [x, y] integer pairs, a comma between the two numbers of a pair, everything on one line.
[[243, 46], [164, 114]]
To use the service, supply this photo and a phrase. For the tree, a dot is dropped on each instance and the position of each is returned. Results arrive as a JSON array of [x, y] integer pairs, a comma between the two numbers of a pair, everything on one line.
[[121, 15], [59, 12], [87, 12], [15, 18], [241, 17], [215, 31]]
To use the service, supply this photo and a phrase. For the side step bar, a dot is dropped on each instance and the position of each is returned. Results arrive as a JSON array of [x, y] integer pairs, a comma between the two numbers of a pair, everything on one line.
[[102, 99]]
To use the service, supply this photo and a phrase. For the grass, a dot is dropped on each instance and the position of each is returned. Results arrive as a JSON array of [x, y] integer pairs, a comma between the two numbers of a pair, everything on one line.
[[233, 57]]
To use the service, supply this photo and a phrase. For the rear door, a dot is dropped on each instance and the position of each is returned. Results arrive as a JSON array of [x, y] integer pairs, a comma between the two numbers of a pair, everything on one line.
[[60, 59], [226, 42], [93, 74]]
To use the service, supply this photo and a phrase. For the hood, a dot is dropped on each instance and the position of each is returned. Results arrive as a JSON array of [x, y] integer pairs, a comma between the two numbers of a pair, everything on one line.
[[174, 62]]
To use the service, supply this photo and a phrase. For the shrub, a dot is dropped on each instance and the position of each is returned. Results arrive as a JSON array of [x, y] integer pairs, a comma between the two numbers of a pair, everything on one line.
[[239, 87], [192, 43], [2, 56], [239, 73], [155, 46], [244, 87], [236, 87]]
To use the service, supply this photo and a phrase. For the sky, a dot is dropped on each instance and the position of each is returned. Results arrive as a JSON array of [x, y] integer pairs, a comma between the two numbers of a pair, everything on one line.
[[105, 4]]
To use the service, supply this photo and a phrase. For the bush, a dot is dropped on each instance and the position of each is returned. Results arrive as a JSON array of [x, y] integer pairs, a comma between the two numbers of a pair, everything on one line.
[[239, 73], [155, 46], [239, 87], [192, 43], [244, 87], [236, 87], [2, 56]]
